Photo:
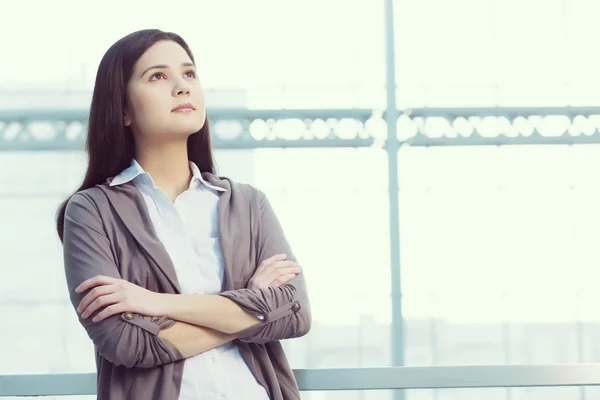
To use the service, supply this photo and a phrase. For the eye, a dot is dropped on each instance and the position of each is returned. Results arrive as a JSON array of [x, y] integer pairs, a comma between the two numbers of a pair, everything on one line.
[[191, 74], [158, 74]]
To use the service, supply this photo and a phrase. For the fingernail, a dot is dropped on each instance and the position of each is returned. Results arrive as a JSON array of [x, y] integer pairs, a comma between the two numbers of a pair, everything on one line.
[[95, 319]]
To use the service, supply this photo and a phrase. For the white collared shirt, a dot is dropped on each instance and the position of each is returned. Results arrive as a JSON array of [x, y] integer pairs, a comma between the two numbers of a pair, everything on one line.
[[188, 229]]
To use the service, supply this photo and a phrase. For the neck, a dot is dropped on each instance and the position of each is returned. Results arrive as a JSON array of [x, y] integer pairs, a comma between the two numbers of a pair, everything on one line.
[[168, 165]]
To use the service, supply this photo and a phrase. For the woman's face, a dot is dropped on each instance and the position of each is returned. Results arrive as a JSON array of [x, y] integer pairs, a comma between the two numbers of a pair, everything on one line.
[[164, 79]]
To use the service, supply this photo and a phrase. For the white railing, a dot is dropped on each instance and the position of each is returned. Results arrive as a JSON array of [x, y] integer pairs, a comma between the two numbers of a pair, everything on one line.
[[476, 376]]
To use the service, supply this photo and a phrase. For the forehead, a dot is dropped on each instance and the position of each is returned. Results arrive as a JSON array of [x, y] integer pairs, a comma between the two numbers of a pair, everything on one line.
[[164, 52]]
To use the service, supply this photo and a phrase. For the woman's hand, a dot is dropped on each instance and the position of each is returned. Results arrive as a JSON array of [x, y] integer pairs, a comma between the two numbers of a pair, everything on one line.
[[273, 272], [115, 296]]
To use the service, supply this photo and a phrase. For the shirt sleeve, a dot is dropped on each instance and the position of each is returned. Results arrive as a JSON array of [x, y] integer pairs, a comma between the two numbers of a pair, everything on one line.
[[126, 339], [284, 311]]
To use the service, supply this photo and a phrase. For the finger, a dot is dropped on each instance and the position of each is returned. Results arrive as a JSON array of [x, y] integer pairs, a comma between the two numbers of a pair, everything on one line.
[[287, 271], [276, 273], [95, 281], [109, 312], [285, 264], [94, 294], [270, 260], [282, 280], [278, 265], [100, 302]]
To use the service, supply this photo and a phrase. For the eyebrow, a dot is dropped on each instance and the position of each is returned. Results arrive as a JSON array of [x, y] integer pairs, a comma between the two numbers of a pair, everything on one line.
[[163, 66]]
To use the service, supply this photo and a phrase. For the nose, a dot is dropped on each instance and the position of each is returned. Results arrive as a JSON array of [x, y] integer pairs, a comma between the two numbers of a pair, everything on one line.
[[181, 88]]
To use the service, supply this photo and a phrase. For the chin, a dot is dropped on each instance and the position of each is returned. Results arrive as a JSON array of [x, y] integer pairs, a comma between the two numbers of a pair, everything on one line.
[[187, 127], [191, 119]]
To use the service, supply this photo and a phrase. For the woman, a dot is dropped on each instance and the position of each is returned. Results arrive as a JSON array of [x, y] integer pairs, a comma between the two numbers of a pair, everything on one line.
[[183, 280]]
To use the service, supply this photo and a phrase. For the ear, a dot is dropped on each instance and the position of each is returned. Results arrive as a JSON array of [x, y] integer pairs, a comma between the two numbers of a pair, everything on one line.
[[126, 119]]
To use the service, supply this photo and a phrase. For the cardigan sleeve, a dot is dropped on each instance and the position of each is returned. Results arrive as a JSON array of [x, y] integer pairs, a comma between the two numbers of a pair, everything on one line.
[[285, 310], [126, 339]]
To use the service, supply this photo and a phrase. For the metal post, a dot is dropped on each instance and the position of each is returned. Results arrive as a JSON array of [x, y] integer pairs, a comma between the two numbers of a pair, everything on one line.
[[580, 339], [392, 147]]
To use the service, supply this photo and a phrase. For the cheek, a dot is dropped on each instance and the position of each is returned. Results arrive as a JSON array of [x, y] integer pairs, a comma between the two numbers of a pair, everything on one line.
[[146, 103]]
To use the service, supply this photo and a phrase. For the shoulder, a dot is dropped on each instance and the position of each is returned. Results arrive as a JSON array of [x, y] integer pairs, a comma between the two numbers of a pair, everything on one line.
[[88, 200], [251, 192], [238, 191]]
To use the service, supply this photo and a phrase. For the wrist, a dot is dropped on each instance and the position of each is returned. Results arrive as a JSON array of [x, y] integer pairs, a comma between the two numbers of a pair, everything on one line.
[[163, 304]]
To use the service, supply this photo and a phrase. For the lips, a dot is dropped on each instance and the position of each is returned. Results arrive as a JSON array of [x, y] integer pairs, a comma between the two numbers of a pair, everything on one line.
[[187, 107]]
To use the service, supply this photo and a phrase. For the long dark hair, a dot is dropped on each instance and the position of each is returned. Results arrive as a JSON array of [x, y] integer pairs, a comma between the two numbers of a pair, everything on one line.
[[109, 144]]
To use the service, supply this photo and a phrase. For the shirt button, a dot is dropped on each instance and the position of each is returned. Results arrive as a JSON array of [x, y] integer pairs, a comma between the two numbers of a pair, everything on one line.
[[296, 307], [212, 360], [128, 316]]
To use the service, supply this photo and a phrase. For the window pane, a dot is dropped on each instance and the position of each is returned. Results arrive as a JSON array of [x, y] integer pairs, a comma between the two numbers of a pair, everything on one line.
[[495, 53], [498, 252]]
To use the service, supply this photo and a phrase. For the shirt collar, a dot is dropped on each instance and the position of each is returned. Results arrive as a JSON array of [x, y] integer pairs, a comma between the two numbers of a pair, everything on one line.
[[197, 177], [136, 172], [129, 174]]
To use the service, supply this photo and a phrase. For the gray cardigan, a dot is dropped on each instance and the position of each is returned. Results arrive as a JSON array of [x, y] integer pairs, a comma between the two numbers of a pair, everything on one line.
[[108, 231]]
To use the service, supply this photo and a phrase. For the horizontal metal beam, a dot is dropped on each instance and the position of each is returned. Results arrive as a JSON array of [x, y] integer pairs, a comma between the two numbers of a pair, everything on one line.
[[501, 140], [511, 112], [15, 126], [418, 140], [447, 377], [15, 134]]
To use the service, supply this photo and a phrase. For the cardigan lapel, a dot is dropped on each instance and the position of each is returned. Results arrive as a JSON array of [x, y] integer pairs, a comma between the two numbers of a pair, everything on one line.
[[226, 229], [130, 207]]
